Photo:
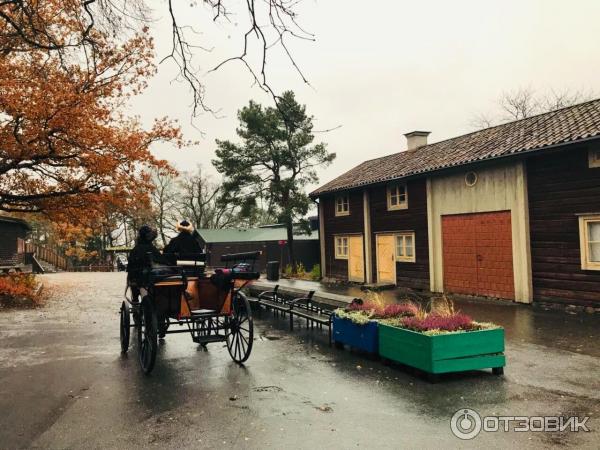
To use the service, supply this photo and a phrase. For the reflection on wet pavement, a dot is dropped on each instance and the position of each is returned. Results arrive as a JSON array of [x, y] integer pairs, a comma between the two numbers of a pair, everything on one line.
[[64, 384]]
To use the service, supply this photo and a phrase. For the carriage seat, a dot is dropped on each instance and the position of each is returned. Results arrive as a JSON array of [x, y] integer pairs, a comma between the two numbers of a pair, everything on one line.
[[165, 273], [163, 278], [203, 312]]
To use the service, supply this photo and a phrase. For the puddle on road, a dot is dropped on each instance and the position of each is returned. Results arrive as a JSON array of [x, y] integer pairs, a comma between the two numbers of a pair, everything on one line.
[[267, 389], [270, 338]]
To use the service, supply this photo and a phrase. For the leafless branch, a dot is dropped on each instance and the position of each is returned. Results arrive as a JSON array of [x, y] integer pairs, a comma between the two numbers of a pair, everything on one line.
[[525, 102], [271, 24]]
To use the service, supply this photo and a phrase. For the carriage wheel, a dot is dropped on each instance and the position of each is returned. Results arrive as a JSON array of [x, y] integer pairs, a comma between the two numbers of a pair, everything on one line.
[[124, 329], [240, 333], [147, 335], [163, 327]]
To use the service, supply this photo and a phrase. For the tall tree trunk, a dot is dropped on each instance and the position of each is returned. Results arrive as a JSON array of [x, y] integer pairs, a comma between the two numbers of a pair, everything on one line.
[[290, 243]]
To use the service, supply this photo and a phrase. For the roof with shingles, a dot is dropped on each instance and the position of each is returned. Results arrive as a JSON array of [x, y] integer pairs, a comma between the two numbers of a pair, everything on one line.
[[9, 219], [250, 235], [562, 126]]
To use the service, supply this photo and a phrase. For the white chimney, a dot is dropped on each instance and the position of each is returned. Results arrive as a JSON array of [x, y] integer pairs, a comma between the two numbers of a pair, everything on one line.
[[416, 139]]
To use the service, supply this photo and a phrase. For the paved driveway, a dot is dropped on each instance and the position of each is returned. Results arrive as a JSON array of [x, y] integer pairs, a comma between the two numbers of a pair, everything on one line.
[[64, 384]]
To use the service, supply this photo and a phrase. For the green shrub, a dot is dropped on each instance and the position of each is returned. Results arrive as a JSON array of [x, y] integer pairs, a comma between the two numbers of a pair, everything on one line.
[[315, 273], [288, 271]]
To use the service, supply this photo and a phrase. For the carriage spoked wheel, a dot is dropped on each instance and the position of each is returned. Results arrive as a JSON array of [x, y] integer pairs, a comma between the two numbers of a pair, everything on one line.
[[240, 332], [163, 326], [147, 335], [124, 330]]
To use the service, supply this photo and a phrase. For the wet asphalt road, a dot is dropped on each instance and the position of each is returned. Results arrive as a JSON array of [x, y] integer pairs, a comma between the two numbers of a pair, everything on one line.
[[64, 384]]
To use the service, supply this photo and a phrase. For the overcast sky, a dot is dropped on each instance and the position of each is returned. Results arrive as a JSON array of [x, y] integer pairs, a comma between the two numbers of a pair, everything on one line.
[[381, 69]]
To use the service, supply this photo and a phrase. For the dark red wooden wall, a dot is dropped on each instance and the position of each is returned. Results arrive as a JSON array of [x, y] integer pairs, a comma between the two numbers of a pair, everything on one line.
[[306, 251], [353, 223], [412, 275], [9, 233], [560, 186]]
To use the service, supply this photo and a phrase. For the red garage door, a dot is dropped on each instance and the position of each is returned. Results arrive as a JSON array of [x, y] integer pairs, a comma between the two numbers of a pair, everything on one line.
[[477, 251]]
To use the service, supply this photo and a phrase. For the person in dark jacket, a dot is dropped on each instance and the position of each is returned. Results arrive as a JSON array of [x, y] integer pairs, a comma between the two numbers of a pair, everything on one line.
[[185, 242], [141, 257]]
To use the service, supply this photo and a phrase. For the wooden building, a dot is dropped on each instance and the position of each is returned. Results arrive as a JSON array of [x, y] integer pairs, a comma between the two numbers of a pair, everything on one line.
[[13, 231], [510, 212], [271, 240]]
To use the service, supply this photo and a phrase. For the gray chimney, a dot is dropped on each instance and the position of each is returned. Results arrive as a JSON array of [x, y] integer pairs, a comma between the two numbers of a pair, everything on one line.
[[416, 139]]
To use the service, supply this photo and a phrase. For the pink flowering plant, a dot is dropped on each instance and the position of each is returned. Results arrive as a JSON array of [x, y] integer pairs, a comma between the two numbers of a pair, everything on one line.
[[406, 309], [441, 318]]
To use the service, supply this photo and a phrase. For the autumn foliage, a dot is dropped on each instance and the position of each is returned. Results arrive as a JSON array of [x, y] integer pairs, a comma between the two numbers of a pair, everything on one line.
[[67, 148], [18, 290]]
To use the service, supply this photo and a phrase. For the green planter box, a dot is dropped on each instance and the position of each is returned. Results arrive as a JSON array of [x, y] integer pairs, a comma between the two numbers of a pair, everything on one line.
[[452, 352]]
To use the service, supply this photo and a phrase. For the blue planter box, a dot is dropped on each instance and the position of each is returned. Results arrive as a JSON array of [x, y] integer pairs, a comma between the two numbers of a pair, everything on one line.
[[364, 337]]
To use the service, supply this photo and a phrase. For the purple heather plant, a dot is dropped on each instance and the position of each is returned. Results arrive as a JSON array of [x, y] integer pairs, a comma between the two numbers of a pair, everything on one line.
[[398, 310], [453, 322]]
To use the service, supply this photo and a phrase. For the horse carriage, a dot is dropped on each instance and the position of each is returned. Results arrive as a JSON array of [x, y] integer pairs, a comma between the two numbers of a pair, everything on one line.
[[182, 297]]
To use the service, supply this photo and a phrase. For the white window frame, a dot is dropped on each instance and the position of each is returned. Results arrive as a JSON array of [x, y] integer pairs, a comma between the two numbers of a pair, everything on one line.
[[393, 191], [344, 243], [403, 236], [594, 158], [584, 242], [342, 205]]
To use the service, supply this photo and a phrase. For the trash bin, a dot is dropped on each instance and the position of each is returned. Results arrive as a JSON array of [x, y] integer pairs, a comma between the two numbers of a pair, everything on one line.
[[273, 270]]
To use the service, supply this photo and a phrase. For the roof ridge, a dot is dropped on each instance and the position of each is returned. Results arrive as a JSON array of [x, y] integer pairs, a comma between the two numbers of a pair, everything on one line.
[[418, 149], [547, 113], [560, 126]]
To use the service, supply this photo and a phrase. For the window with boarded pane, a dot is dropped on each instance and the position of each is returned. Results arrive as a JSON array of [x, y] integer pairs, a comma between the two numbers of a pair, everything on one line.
[[594, 158], [405, 247], [341, 247], [342, 205], [589, 236], [397, 197]]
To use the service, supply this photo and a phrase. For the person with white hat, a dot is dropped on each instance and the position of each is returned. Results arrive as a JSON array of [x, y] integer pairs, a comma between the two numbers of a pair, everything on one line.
[[185, 242]]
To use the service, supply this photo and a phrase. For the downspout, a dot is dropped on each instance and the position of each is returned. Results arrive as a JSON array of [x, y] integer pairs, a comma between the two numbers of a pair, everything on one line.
[[320, 215], [367, 236]]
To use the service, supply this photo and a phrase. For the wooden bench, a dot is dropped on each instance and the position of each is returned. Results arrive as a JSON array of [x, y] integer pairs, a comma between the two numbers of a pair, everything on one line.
[[314, 313], [273, 300], [302, 307]]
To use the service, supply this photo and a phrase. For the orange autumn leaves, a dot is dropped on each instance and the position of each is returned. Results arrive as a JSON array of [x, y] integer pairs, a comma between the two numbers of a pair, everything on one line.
[[67, 148], [19, 290]]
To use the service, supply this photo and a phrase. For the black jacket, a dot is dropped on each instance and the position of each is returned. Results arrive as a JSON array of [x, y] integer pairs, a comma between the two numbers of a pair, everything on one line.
[[141, 257], [184, 242]]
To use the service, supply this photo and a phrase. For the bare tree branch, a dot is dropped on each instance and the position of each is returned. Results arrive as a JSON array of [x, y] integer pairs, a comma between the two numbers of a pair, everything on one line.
[[525, 102]]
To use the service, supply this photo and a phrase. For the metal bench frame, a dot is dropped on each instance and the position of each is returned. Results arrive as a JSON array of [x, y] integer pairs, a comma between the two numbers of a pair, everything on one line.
[[274, 301], [301, 307]]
